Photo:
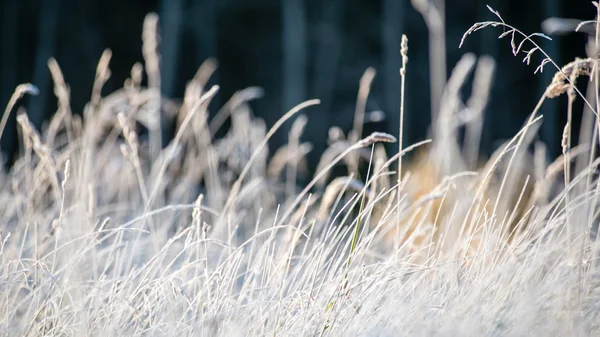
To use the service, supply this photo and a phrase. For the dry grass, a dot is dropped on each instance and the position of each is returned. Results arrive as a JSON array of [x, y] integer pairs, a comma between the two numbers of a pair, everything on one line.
[[104, 235]]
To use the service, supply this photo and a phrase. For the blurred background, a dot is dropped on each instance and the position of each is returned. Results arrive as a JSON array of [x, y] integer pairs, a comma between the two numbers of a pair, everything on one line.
[[294, 49]]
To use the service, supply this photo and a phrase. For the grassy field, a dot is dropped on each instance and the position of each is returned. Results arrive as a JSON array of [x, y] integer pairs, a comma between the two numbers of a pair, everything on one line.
[[103, 233]]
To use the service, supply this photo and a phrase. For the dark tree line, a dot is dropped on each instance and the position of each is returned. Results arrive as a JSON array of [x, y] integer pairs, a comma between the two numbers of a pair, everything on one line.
[[294, 49]]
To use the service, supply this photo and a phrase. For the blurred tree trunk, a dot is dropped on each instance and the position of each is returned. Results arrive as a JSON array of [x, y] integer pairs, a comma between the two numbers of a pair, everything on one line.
[[488, 41], [85, 54], [171, 15], [393, 23], [8, 69], [47, 29], [205, 25], [171, 20], [294, 44], [550, 130], [328, 49]]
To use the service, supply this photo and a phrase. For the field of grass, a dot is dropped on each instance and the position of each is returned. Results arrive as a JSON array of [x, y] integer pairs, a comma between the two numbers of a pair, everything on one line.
[[103, 233]]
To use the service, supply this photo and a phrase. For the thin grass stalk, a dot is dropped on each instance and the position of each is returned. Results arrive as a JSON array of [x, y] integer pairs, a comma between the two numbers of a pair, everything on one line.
[[237, 184], [477, 103], [359, 113], [294, 146], [20, 91], [596, 81], [433, 13], [566, 149], [517, 150], [404, 55], [150, 38], [373, 138]]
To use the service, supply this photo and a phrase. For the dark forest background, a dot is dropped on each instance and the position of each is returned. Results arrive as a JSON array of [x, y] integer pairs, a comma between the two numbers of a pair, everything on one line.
[[293, 49]]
